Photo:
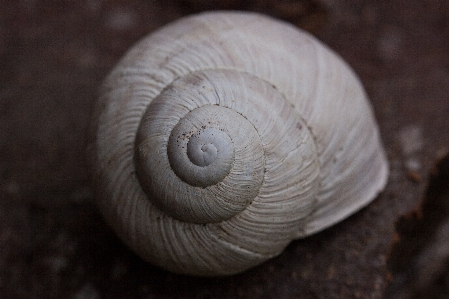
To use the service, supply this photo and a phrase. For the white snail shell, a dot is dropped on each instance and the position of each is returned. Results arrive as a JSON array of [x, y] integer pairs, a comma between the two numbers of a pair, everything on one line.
[[222, 137]]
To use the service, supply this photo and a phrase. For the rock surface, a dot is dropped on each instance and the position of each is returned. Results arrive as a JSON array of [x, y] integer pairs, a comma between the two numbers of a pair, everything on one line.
[[53, 57]]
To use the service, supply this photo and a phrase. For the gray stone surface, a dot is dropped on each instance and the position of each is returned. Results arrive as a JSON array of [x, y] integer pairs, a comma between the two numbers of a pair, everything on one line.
[[53, 56]]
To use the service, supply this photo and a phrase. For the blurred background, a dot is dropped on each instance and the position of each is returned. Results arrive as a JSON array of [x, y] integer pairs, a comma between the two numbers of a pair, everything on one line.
[[53, 242]]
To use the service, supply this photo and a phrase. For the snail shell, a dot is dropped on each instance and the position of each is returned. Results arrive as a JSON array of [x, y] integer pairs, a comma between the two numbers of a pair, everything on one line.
[[220, 138]]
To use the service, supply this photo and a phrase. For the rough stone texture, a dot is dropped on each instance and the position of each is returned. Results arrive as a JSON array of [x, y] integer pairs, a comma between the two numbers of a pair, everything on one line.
[[53, 56], [419, 259]]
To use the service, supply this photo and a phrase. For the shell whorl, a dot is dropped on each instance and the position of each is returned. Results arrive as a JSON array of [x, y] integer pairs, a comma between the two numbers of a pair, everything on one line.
[[222, 137], [250, 142]]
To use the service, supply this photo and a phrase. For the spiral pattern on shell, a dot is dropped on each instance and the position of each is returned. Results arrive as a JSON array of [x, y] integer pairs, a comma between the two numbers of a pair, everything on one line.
[[220, 138]]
